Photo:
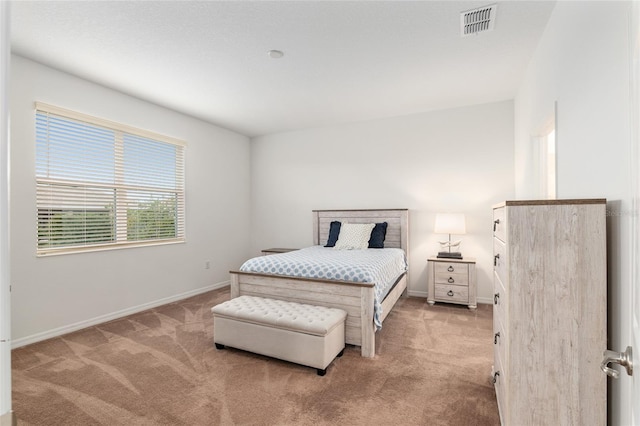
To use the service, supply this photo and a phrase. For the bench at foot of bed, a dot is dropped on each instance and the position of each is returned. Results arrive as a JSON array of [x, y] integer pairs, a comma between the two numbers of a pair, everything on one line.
[[304, 334]]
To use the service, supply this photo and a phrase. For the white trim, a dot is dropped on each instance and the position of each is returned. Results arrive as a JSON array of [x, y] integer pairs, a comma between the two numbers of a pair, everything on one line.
[[485, 300], [105, 247], [629, 405], [5, 275], [112, 316]]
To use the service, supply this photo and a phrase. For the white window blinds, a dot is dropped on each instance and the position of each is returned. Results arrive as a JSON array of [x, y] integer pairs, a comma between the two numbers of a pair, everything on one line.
[[104, 185]]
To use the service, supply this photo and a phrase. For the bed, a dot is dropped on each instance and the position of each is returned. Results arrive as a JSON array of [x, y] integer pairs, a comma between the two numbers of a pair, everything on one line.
[[356, 298]]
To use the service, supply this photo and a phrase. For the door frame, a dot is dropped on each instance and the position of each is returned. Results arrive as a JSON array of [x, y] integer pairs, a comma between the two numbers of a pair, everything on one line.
[[634, 309]]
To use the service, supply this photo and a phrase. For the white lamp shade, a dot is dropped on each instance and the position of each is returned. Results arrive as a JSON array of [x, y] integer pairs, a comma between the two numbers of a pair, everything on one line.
[[450, 223]]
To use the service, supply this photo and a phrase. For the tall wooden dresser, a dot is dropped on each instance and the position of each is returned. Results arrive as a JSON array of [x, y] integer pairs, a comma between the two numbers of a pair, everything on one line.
[[550, 311]]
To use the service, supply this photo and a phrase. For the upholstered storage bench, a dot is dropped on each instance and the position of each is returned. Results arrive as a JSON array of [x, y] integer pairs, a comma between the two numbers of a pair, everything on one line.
[[304, 334]]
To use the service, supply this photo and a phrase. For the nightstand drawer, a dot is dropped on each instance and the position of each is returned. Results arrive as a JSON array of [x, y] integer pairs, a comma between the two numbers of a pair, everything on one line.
[[452, 293], [452, 278], [269, 251], [451, 268]]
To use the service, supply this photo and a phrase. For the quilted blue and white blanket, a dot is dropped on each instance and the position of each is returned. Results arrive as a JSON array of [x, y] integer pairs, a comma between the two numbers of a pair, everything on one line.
[[379, 266]]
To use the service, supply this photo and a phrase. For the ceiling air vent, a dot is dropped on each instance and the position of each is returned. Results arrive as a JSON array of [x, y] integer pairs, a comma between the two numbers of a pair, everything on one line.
[[478, 20]]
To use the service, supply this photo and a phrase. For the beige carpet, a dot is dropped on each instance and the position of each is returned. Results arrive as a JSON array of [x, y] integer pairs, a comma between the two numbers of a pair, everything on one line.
[[160, 367]]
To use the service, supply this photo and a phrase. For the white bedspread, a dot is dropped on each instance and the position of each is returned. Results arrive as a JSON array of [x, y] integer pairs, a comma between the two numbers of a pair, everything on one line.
[[379, 266]]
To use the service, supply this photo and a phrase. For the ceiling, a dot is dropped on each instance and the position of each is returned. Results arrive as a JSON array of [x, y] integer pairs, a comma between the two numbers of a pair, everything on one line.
[[343, 61]]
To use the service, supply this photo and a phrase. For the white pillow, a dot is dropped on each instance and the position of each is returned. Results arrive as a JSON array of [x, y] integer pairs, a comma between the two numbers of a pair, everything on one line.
[[354, 236]]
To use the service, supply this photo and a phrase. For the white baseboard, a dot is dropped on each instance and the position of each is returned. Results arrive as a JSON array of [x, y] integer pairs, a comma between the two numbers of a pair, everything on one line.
[[23, 341], [485, 300]]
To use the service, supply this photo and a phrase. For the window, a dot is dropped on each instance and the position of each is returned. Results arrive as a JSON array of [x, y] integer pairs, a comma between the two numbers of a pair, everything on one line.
[[548, 164], [105, 185], [545, 146]]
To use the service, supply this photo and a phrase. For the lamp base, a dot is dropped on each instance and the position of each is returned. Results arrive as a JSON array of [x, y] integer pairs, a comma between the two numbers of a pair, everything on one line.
[[449, 255]]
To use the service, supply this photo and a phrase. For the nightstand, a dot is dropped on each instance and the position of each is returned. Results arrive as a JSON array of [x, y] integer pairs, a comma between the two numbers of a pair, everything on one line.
[[452, 281], [269, 251]]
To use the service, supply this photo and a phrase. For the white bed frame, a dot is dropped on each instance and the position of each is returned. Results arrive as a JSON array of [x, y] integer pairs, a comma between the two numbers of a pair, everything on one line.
[[357, 299]]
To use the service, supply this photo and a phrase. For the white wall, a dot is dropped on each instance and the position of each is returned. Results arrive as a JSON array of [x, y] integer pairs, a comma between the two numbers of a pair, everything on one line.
[[582, 61], [53, 294], [457, 160]]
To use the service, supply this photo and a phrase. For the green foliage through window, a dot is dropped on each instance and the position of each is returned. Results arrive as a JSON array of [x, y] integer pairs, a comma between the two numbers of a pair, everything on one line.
[[75, 227], [152, 220]]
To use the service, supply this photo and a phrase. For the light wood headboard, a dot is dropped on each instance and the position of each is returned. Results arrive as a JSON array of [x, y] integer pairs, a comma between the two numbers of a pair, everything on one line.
[[397, 228]]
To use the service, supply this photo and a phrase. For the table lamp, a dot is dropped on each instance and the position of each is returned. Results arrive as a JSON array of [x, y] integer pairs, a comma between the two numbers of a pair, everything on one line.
[[450, 223]]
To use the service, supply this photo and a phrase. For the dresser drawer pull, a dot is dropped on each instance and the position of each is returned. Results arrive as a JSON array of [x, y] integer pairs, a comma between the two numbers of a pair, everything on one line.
[[495, 338], [451, 280], [495, 259], [495, 377], [496, 297], [450, 268], [450, 293]]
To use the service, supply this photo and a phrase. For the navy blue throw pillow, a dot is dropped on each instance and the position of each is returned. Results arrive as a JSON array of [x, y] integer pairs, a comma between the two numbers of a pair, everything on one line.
[[378, 235], [334, 232]]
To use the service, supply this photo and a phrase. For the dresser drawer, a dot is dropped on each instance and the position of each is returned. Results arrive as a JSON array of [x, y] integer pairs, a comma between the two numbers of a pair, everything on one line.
[[499, 382], [499, 223], [500, 300], [500, 342], [452, 293], [500, 259]]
